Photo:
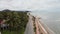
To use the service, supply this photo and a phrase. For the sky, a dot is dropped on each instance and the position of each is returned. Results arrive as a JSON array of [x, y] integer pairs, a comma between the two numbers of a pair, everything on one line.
[[43, 7], [29, 4], [48, 10]]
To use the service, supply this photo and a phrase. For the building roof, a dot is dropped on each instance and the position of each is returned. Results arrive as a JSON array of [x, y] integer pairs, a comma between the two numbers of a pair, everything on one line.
[[1, 21]]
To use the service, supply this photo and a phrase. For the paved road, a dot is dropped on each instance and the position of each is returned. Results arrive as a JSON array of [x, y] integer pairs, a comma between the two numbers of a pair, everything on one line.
[[29, 27], [43, 28]]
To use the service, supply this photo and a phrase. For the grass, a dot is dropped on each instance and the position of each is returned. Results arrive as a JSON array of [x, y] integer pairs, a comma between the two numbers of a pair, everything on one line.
[[12, 32], [5, 32]]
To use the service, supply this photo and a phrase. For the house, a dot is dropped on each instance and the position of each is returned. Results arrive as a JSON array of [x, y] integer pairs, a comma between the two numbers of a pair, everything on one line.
[[3, 25]]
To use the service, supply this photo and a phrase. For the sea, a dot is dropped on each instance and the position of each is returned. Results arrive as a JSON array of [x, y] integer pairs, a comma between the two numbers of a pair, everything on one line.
[[50, 18]]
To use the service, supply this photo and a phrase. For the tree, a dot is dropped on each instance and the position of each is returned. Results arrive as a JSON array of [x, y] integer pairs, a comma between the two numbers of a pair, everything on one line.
[[17, 20]]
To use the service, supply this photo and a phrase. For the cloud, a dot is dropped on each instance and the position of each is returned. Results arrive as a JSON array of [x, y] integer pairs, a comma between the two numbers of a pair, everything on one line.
[[58, 20], [28, 4]]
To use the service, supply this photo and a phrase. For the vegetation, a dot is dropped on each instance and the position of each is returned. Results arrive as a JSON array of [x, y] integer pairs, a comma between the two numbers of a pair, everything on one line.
[[17, 21], [34, 24]]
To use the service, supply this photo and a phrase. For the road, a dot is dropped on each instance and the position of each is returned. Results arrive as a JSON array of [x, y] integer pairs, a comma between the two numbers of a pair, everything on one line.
[[29, 27], [43, 28]]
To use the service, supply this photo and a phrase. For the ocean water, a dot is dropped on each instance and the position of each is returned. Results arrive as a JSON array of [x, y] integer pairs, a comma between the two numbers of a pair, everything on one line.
[[50, 18]]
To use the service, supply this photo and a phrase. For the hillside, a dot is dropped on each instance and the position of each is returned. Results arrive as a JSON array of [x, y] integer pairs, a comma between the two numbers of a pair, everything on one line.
[[15, 21]]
